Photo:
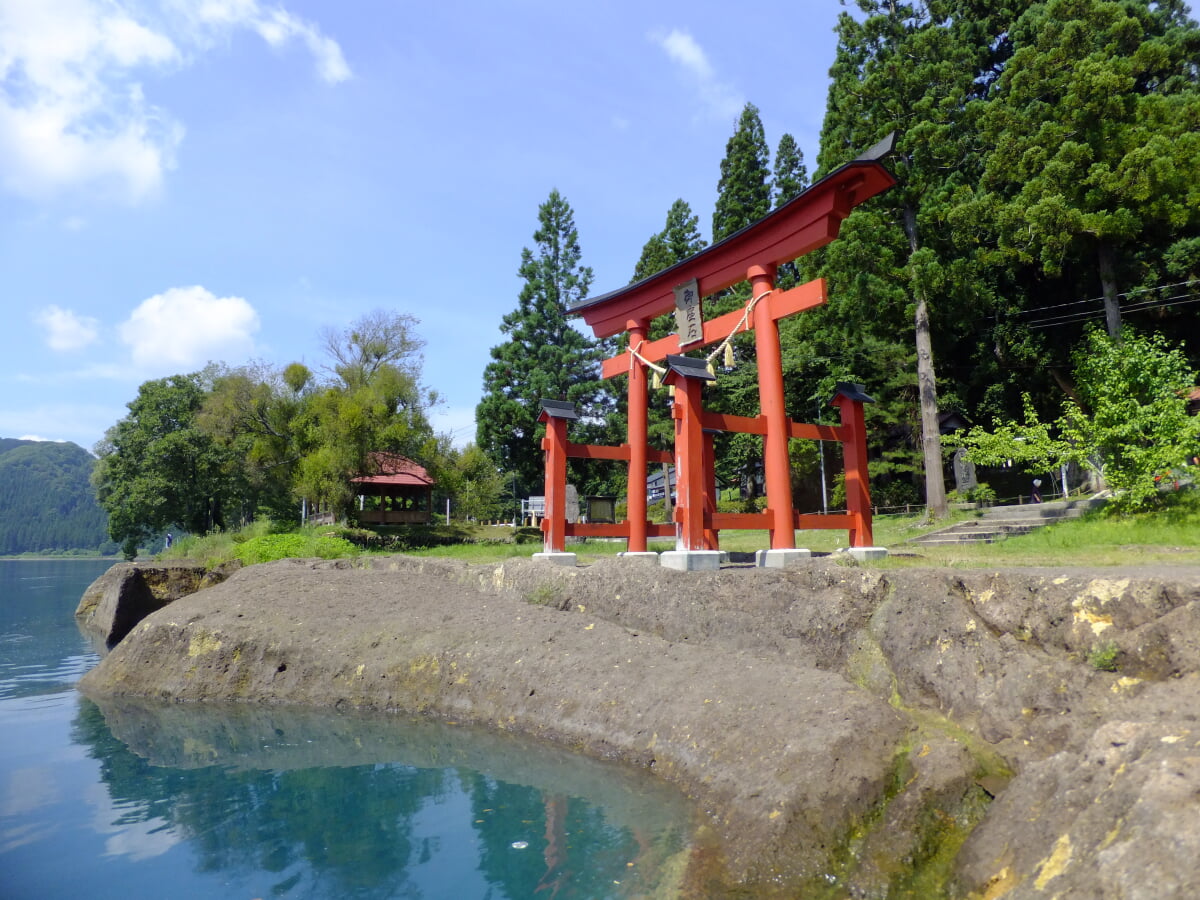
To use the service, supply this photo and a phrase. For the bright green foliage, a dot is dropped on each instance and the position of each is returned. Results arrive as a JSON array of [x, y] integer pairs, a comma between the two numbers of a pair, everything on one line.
[[1094, 137], [252, 412], [1131, 412], [1128, 421], [376, 403], [744, 191], [215, 449], [158, 469], [46, 500], [296, 545], [543, 356], [1030, 445], [476, 486]]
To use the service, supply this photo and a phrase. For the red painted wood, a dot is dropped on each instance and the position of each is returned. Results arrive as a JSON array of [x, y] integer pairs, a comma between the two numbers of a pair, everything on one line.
[[779, 305], [800, 226]]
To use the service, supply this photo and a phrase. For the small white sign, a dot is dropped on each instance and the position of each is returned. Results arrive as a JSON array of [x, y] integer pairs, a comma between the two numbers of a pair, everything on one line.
[[689, 322]]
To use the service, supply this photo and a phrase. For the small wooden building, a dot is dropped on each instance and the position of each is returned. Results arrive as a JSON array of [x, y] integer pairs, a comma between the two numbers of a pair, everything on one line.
[[397, 491]]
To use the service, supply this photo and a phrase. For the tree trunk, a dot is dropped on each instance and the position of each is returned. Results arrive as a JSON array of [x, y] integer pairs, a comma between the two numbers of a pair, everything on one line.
[[1108, 285], [931, 439]]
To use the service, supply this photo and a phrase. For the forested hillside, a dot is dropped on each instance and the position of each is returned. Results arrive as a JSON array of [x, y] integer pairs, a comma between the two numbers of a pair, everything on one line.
[[46, 499]]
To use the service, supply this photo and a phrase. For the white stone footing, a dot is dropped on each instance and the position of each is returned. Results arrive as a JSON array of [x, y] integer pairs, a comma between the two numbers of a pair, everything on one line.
[[780, 559], [865, 553], [559, 559], [692, 560], [638, 555]]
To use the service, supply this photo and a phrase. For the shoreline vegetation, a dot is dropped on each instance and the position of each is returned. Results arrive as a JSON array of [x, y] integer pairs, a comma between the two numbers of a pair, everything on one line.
[[1168, 536]]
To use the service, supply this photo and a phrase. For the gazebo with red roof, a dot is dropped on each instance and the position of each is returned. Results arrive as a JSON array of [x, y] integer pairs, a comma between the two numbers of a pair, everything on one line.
[[397, 492]]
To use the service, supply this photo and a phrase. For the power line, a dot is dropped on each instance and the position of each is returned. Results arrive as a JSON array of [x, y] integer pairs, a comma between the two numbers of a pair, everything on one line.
[[1165, 303]]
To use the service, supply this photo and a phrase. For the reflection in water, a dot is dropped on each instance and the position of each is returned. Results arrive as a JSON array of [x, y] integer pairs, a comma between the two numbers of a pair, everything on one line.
[[349, 805]]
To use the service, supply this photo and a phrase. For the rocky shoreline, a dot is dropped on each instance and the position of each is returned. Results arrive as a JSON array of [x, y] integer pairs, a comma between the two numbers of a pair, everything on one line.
[[846, 732]]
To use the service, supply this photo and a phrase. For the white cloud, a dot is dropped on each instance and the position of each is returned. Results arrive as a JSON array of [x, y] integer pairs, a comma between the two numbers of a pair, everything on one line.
[[69, 111], [65, 330], [718, 98], [187, 327], [276, 26], [73, 108], [279, 27]]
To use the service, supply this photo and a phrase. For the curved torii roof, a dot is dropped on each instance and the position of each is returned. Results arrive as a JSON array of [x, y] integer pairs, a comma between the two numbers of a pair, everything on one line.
[[808, 221]]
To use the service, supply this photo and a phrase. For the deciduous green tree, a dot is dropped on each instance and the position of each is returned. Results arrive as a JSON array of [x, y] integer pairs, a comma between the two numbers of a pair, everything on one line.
[[376, 402], [159, 470], [1128, 421]]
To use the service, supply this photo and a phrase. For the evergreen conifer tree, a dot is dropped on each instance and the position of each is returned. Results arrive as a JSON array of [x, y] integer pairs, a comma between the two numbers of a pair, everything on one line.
[[543, 357], [1094, 143], [791, 175], [912, 68], [744, 191]]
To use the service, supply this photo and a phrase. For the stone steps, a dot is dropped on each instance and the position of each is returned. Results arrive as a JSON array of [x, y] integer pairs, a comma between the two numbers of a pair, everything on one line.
[[999, 522]]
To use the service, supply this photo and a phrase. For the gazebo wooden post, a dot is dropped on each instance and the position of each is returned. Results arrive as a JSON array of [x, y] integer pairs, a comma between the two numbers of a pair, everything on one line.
[[776, 466], [849, 400], [638, 437]]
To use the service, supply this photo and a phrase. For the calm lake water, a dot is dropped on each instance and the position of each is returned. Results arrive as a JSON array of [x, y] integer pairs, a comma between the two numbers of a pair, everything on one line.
[[210, 801]]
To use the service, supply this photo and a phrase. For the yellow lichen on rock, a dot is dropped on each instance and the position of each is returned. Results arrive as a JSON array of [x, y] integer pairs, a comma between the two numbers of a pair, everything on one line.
[[203, 642], [1054, 864], [1084, 616]]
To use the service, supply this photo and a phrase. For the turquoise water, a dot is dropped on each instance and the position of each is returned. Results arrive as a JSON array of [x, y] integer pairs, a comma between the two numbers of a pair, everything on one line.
[[140, 799]]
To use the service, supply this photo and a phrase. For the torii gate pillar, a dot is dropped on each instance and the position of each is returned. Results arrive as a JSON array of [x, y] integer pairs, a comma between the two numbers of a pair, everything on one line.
[[776, 467]]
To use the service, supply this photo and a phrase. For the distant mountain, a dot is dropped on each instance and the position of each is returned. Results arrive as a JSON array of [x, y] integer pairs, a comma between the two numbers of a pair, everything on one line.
[[46, 499]]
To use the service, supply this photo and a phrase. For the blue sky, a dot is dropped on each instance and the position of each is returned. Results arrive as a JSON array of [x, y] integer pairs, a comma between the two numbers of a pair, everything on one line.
[[192, 180]]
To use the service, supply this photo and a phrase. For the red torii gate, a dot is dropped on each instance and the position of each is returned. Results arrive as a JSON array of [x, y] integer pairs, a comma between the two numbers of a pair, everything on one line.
[[805, 223]]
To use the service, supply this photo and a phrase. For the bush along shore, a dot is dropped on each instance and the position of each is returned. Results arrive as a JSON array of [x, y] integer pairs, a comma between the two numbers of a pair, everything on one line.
[[843, 732]]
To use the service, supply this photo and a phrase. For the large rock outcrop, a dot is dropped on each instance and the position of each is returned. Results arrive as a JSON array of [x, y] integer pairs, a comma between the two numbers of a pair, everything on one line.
[[128, 592], [844, 729]]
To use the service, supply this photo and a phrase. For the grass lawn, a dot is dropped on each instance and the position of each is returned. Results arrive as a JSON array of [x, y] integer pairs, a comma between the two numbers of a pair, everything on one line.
[[1166, 537]]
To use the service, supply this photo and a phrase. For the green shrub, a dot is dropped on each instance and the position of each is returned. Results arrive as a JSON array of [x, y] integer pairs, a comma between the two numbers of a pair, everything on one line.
[[268, 548], [982, 493]]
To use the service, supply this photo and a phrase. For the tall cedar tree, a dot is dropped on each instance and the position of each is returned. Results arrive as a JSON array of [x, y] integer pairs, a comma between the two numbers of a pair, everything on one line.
[[544, 356], [791, 174], [912, 68], [744, 191], [791, 178], [1094, 138]]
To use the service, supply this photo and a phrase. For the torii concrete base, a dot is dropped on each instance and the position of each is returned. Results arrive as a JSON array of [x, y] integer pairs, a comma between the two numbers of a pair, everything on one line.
[[780, 559], [559, 559], [865, 553], [639, 555], [692, 560]]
